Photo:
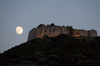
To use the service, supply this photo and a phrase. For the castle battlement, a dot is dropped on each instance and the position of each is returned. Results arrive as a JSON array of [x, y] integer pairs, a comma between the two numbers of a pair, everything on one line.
[[54, 30]]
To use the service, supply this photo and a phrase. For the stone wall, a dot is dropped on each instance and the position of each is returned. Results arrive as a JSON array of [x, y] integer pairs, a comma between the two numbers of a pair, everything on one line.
[[53, 31], [92, 33], [80, 32]]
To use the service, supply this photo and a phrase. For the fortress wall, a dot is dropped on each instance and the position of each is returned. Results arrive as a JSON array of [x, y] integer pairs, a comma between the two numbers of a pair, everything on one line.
[[80, 32], [92, 33], [76, 32], [35, 33], [83, 32], [65, 31], [38, 32], [50, 31], [32, 34], [53, 31]]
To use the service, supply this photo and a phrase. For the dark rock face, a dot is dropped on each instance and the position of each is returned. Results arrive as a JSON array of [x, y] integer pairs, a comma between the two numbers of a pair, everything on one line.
[[53, 31]]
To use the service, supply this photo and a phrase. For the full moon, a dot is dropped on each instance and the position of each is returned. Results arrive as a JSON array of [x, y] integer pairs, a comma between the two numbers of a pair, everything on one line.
[[19, 30]]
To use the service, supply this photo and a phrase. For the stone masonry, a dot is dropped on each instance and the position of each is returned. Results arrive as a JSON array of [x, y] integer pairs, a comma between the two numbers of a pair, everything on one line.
[[53, 31]]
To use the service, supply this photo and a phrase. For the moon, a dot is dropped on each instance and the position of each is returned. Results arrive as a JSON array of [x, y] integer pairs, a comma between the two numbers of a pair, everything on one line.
[[19, 30]]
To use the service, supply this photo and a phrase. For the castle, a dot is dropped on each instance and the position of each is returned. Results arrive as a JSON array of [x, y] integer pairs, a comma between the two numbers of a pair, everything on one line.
[[52, 31]]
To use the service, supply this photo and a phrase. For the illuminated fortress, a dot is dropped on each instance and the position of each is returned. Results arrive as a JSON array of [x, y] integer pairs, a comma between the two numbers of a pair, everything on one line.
[[53, 30]]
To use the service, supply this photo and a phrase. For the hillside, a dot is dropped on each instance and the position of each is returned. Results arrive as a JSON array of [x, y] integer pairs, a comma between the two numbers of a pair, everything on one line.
[[63, 50]]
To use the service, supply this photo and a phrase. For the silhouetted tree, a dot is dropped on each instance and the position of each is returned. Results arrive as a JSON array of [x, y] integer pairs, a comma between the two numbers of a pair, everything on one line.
[[52, 24], [40, 25], [71, 30]]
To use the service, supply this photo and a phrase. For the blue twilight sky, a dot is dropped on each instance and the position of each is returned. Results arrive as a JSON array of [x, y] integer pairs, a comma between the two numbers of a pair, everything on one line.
[[81, 14]]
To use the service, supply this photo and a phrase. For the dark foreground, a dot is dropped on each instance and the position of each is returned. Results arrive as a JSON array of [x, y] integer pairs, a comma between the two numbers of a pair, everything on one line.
[[63, 50]]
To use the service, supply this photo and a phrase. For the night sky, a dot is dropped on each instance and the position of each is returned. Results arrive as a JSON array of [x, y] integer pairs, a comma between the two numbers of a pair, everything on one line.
[[81, 14]]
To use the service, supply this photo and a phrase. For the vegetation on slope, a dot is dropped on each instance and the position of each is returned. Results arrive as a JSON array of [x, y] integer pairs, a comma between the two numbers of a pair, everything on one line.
[[63, 50]]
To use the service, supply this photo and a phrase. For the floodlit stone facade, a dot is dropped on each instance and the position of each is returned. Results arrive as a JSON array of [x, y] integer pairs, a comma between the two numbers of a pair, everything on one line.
[[53, 31], [81, 32]]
